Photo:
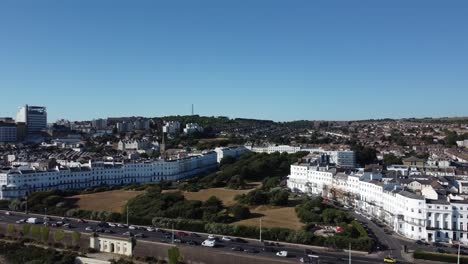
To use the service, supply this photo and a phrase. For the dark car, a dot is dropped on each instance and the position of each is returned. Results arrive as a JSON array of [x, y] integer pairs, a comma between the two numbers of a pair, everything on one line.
[[192, 243], [269, 249], [108, 231], [128, 234], [239, 240], [250, 250], [140, 235], [237, 249], [440, 250], [194, 235]]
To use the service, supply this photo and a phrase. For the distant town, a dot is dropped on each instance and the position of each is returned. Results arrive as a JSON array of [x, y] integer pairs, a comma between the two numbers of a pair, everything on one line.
[[400, 184]]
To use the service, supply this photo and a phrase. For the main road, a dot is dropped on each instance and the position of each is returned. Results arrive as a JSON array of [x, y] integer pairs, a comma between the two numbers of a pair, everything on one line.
[[233, 245]]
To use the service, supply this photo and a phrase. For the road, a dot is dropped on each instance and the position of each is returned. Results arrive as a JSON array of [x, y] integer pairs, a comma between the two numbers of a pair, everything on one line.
[[256, 248]]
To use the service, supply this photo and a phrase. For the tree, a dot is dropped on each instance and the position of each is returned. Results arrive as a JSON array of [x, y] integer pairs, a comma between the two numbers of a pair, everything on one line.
[[26, 229], [279, 197], [214, 201], [76, 237], [391, 159], [11, 230], [174, 256], [45, 231], [240, 212], [59, 235]]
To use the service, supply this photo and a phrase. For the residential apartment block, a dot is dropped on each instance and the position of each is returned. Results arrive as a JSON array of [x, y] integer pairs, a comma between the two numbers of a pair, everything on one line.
[[421, 209], [21, 181]]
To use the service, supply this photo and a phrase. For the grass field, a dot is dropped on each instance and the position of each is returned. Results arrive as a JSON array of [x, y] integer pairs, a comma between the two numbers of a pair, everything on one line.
[[273, 216], [111, 201], [225, 195]]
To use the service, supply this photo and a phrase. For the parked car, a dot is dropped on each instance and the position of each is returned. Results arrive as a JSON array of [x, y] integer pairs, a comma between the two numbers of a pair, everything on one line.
[[194, 235], [150, 229], [140, 235], [8, 213], [225, 238], [237, 249], [132, 227], [192, 243], [211, 237], [178, 241], [108, 231], [89, 228], [181, 234], [21, 221], [112, 225], [128, 233], [82, 221]]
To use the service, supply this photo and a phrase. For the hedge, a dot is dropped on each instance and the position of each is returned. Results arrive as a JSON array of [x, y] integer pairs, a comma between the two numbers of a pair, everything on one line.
[[449, 258]]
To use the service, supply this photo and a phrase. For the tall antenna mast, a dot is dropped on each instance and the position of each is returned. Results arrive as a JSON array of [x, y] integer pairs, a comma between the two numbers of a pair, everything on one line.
[[192, 109]]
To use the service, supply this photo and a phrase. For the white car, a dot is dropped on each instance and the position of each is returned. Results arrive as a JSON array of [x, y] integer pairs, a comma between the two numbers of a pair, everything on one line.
[[132, 227], [150, 229], [120, 225], [112, 225], [209, 243], [225, 238], [282, 253], [89, 228], [7, 213], [211, 237]]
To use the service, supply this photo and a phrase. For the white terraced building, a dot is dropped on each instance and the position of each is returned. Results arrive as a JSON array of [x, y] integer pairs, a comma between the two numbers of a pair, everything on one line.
[[430, 216], [21, 181]]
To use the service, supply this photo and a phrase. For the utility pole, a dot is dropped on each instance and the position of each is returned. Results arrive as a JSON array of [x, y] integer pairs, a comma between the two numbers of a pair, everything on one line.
[[26, 209], [349, 253], [260, 229], [127, 215], [172, 233]]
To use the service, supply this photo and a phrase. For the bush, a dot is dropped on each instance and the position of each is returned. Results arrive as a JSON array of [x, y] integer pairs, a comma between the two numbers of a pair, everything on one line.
[[240, 212]]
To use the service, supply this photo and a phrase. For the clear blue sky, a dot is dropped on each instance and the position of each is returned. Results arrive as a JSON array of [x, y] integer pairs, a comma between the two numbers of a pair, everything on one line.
[[280, 60]]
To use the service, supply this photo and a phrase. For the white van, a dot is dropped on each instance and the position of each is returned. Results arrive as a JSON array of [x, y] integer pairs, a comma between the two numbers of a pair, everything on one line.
[[209, 243], [32, 220]]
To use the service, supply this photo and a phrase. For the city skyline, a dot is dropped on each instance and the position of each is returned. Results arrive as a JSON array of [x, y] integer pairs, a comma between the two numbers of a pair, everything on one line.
[[266, 60]]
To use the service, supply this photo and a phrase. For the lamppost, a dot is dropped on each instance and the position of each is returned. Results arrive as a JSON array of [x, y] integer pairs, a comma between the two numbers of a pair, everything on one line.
[[260, 229]]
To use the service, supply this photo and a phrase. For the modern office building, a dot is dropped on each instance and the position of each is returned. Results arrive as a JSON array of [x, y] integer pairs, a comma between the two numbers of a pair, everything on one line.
[[8, 132], [35, 118]]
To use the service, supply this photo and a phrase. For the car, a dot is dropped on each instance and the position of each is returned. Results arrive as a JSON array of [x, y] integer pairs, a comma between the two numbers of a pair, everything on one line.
[[237, 249], [68, 225], [82, 221], [181, 234], [211, 237], [103, 224], [440, 250], [89, 228], [390, 260], [239, 240], [437, 244], [167, 235], [121, 225], [209, 243], [250, 250], [8, 213], [108, 231], [132, 227], [194, 235], [282, 253], [100, 230], [225, 238], [192, 243], [112, 225], [128, 233], [140, 235], [269, 249], [178, 241], [21, 221], [150, 229]]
